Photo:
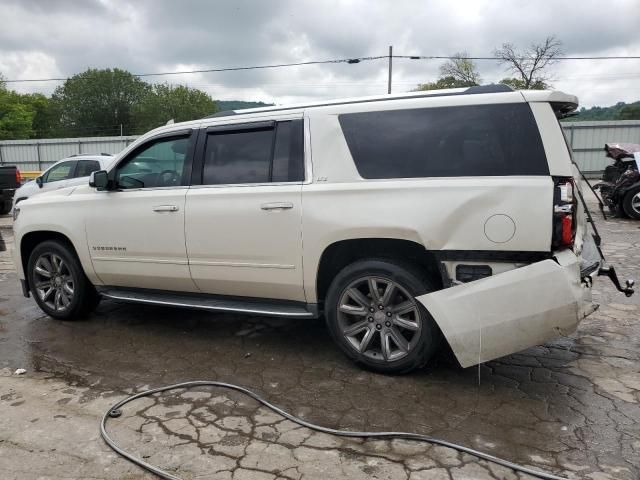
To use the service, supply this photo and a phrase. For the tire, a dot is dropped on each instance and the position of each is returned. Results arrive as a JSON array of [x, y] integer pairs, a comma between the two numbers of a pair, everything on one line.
[[5, 207], [370, 338], [631, 202], [68, 295]]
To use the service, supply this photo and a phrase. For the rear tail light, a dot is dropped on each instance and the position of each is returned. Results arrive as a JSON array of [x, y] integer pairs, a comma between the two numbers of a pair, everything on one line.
[[564, 207], [18, 177]]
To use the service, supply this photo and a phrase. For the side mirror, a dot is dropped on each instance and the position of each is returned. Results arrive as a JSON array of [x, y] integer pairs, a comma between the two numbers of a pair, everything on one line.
[[99, 180], [39, 182]]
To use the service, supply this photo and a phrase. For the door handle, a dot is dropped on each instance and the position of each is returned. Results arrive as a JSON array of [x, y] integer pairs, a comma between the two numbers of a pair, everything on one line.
[[277, 206], [165, 208]]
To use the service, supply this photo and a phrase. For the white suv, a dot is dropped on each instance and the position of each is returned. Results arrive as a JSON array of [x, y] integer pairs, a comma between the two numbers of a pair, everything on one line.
[[70, 171], [405, 219]]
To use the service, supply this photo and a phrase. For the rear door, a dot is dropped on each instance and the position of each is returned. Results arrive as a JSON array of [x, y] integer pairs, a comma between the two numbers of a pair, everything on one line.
[[243, 213]]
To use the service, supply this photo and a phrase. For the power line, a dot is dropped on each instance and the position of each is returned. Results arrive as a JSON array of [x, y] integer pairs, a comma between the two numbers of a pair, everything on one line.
[[320, 62], [228, 69], [442, 57]]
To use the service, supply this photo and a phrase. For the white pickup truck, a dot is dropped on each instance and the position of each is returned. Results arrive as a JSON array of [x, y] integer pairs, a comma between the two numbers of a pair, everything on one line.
[[406, 220]]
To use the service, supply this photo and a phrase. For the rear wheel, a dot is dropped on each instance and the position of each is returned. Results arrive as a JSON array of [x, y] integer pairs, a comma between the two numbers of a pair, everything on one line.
[[5, 207], [631, 203], [374, 317], [58, 283]]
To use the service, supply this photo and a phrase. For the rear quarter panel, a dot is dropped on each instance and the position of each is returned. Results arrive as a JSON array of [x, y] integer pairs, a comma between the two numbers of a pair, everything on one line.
[[440, 214], [451, 213]]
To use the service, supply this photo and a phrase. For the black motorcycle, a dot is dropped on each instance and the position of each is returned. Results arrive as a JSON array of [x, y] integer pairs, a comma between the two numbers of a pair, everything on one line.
[[620, 185]]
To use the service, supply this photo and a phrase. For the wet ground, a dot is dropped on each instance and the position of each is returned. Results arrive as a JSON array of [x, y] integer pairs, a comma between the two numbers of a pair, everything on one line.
[[571, 407]]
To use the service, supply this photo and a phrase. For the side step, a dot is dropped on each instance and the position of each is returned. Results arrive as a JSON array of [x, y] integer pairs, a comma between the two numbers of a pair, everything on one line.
[[250, 306]]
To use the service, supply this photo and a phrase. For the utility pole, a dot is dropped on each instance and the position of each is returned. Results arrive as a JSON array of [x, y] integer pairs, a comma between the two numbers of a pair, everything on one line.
[[390, 67]]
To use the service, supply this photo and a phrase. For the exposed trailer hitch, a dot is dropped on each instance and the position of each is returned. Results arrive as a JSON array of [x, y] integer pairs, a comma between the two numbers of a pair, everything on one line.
[[609, 271]]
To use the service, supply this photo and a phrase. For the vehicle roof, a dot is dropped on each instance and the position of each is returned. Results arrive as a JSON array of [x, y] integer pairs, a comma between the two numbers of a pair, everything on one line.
[[103, 158], [529, 96], [568, 102]]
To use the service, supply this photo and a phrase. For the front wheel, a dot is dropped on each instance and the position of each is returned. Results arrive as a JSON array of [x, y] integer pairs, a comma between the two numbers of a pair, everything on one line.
[[631, 203], [58, 283], [374, 317]]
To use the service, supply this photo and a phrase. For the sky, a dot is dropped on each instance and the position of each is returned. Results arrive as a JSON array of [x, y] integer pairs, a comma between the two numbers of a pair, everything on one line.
[[59, 38]]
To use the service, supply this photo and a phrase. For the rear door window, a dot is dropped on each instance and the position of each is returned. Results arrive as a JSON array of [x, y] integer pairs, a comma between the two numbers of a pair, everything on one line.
[[271, 152], [85, 167], [477, 140]]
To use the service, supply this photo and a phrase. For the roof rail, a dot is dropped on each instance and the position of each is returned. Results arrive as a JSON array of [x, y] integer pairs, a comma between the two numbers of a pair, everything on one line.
[[478, 89], [91, 155], [491, 88]]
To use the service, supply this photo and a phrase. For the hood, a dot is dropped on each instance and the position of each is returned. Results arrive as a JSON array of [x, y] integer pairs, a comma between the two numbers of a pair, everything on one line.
[[45, 197]]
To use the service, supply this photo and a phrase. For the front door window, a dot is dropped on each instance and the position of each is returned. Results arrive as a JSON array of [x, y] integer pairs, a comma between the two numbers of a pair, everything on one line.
[[62, 171], [160, 164]]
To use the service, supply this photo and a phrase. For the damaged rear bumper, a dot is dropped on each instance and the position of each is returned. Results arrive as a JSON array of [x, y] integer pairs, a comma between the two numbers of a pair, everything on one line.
[[512, 311]]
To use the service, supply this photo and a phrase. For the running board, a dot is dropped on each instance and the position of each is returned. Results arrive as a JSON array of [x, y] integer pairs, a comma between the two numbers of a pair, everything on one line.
[[250, 306]]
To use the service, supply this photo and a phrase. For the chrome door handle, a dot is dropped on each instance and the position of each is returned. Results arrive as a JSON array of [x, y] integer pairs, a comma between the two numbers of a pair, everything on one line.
[[165, 208], [277, 206]]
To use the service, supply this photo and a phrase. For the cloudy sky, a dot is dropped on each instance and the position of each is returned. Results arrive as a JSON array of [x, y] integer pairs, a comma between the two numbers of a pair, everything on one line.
[[58, 38]]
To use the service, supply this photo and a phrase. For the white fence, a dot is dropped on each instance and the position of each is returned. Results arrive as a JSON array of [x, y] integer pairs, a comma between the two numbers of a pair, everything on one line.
[[40, 154], [587, 141]]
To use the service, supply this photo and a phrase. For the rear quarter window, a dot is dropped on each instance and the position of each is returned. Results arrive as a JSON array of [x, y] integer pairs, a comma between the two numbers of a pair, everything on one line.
[[477, 140]]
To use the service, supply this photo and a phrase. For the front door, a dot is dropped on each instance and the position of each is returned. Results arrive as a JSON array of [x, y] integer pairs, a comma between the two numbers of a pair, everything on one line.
[[136, 234], [243, 222], [58, 176]]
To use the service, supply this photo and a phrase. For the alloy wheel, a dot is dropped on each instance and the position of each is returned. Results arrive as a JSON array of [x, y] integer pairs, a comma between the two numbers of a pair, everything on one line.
[[635, 203], [379, 318], [54, 283]]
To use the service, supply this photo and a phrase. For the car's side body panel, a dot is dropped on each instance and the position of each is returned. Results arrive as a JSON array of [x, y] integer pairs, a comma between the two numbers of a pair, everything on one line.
[[240, 243], [486, 214], [499, 213], [133, 245]]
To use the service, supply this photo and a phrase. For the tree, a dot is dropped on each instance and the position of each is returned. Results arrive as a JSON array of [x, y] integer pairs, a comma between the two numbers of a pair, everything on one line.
[[98, 102], [462, 69], [45, 115], [166, 102], [15, 117], [518, 84], [529, 65], [458, 72], [445, 82], [630, 112]]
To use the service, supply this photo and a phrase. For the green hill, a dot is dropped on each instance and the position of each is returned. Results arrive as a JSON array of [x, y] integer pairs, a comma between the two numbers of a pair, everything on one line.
[[224, 105], [619, 111]]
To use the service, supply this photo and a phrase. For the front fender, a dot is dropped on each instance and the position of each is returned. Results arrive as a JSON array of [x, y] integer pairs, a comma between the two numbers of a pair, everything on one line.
[[60, 218]]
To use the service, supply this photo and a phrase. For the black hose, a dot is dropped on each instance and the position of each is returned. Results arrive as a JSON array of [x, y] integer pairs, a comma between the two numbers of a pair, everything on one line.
[[115, 411]]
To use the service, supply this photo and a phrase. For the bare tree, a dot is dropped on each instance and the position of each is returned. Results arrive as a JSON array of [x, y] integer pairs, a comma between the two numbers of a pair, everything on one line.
[[462, 69], [529, 65]]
